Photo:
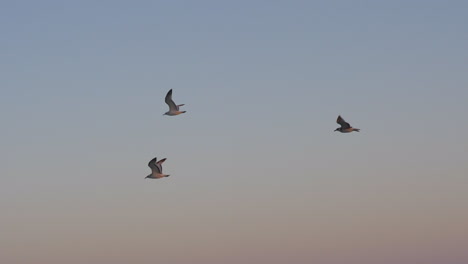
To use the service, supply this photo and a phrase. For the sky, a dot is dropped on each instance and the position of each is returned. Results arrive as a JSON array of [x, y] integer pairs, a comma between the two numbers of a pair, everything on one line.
[[258, 174]]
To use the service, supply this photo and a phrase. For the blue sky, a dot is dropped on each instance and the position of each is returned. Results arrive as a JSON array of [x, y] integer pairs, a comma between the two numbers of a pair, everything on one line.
[[257, 172]]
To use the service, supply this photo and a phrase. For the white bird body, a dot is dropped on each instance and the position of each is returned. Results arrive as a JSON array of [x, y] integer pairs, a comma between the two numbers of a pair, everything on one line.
[[173, 108], [348, 130]]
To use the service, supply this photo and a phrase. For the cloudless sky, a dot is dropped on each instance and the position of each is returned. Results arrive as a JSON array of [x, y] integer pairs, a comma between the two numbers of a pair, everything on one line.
[[257, 173]]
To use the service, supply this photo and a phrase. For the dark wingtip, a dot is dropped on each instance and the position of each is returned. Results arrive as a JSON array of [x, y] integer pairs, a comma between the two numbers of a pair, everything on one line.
[[152, 160]]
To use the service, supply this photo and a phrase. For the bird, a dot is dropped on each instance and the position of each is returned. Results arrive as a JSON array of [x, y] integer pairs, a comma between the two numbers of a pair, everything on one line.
[[156, 169], [173, 108], [345, 126]]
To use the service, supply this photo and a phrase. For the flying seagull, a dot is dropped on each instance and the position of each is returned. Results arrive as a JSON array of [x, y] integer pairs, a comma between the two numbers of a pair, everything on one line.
[[156, 169], [345, 126], [173, 108]]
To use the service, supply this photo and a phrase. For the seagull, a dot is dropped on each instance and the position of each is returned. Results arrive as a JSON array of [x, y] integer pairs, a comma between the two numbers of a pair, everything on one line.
[[156, 169], [345, 126], [173, 108]]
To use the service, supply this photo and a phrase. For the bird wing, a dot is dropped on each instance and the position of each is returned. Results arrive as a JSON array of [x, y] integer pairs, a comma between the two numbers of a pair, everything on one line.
[[159, 164], [169, 102], [153, 166], [342, 122]]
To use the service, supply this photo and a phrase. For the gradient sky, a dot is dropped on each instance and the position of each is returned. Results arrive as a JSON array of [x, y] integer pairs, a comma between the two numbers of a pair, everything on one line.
[[257, 173]]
